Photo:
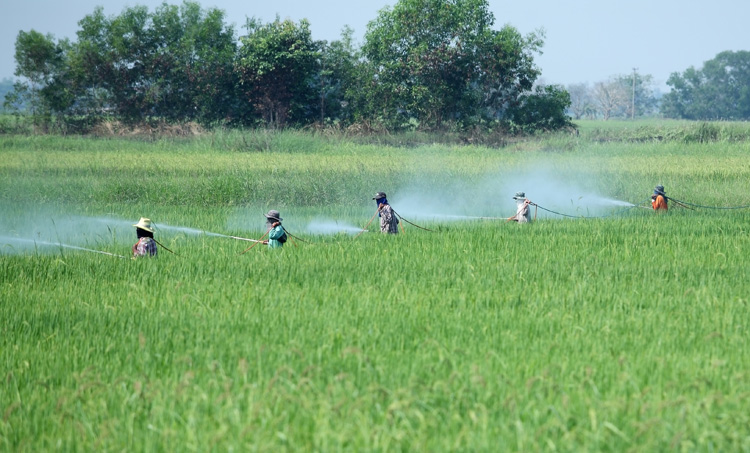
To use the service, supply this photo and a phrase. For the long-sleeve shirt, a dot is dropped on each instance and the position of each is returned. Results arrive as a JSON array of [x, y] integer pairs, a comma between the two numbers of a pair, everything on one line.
[[523, 213], [145, 247], [388, 220], [274, 234], [659, 203]]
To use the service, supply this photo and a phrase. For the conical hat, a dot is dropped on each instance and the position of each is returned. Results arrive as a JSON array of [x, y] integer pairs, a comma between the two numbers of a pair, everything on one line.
[[145, 224]]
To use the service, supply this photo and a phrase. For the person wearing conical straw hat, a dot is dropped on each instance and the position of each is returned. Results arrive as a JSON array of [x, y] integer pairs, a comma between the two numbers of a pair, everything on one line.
[[276, 233], [523, 213], [146, 245], [388, 219], [659, 199]]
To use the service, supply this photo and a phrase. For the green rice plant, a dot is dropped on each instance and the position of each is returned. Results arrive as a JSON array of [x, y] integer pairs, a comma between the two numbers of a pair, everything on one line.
[[618, 333]]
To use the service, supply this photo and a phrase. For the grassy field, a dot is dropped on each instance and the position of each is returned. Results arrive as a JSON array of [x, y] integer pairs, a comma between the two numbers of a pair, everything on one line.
[[621, 330]]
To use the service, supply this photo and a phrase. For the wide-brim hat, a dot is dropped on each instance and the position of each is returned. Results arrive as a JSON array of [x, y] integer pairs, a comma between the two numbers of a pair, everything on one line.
[[519, 196], [379, 195], [274, 214], [659, 189], [145, 224]]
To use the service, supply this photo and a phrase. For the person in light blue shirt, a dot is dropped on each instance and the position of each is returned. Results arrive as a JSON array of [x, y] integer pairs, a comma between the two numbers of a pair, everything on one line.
[[276, 233]]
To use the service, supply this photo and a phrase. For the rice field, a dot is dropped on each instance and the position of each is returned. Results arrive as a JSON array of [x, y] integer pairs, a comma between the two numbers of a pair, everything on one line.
[[613, 329]]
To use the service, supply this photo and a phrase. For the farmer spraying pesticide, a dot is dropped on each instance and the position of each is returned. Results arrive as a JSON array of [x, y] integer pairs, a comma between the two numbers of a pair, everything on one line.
[[523, 213], [146, 245], [388, 219], [659, 199], [276, 233]]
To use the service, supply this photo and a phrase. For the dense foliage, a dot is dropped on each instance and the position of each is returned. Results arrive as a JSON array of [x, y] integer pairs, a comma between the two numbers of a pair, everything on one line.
[[719, 90], [427, 64], [276, 64], [439, 61]]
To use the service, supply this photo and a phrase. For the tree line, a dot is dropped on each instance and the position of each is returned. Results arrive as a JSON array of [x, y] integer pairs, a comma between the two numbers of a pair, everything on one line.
[[621, 96], [720, 90], [424, 64]]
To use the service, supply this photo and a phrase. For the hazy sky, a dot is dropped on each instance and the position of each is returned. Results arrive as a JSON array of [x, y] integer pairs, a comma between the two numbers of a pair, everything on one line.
[[586, 40]]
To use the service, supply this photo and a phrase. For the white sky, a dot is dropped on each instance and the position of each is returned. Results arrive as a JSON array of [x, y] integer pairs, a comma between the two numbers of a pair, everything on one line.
[[586, 40]]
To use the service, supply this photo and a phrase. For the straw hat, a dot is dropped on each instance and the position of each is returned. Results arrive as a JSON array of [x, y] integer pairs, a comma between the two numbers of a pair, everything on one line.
[[274, 215], [519, 196], [145, 224]]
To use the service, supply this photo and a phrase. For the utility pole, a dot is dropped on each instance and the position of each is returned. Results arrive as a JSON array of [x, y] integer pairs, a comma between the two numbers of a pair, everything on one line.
[[632, 112]]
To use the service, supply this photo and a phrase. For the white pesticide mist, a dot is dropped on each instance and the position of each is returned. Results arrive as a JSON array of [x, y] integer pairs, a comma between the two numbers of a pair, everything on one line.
[[187, 230], [491, 197], [602, 201], [44, 229], [159, 227], [325, 227], [52, 227], [251, 219], [18, 245]]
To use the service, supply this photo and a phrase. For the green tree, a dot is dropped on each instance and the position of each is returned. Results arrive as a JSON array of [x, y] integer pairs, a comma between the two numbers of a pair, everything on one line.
[[6, 87], [541, 110], [176, 63], [192, 71], [640, 94], [41, 63], [276, 65], [112, 57], [439, 61], [337, 77], [719, 90]]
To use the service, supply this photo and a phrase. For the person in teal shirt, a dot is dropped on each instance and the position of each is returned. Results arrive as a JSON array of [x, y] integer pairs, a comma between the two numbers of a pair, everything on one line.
[[276, 233]]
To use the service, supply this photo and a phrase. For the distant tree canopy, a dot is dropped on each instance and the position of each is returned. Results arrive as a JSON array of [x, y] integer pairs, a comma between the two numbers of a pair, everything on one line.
[[431, 64], [6, 86], [720, 90], [439, 60], [174, 63], [276, 65]]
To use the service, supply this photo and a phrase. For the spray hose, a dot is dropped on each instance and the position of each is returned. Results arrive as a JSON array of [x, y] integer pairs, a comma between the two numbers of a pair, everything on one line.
[[706, 207], [583, 216], [410, 223], [160, 245], [295, 237]]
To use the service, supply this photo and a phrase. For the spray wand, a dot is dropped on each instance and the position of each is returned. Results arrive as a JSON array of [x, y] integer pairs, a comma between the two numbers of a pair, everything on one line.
[[368, 224], [110, 254], [260, 241], [243, 239]]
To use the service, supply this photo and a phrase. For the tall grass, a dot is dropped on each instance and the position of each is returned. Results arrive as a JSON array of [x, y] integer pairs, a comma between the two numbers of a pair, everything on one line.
[[622, 333], [661, 130]]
